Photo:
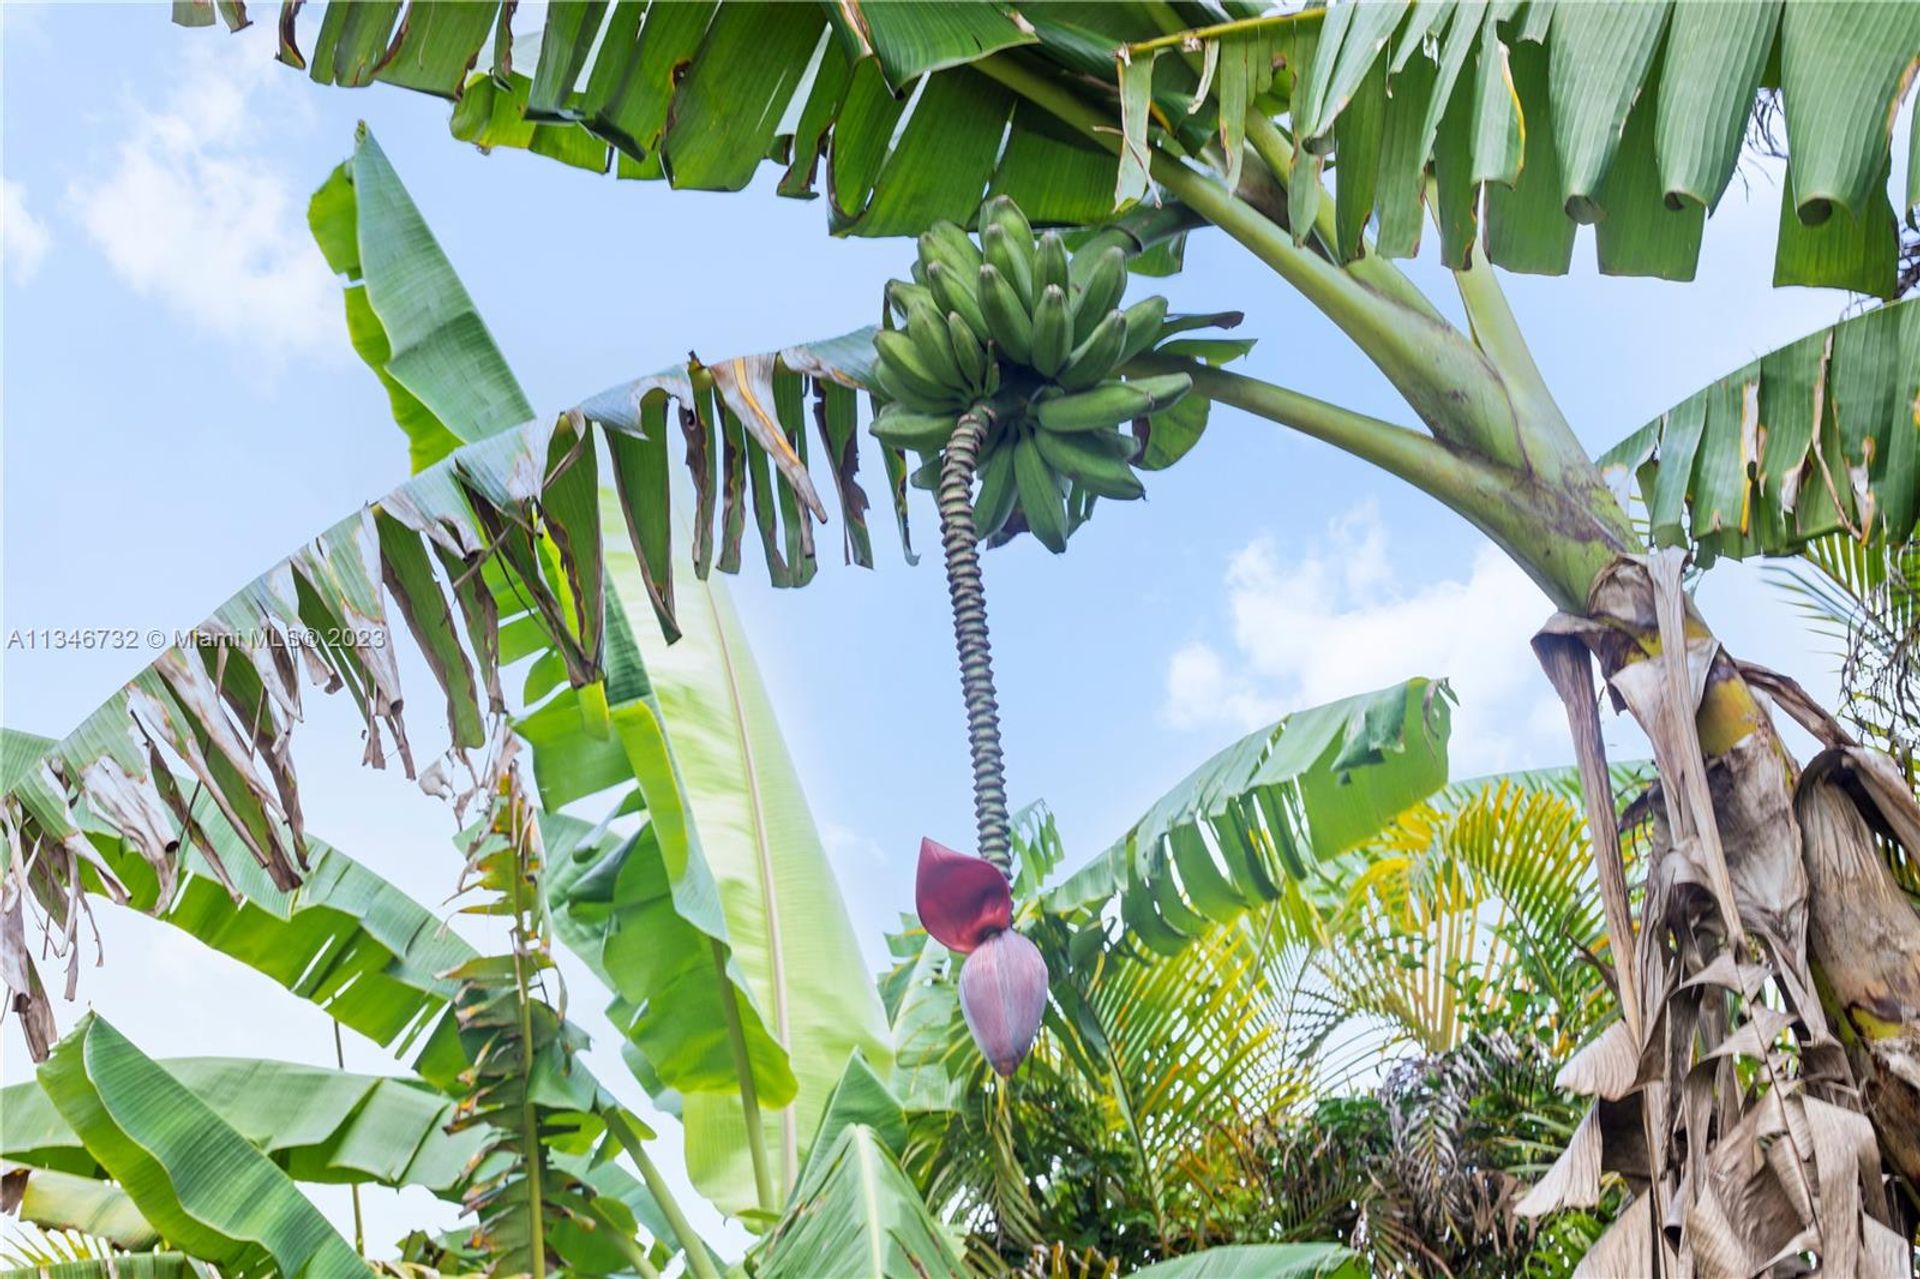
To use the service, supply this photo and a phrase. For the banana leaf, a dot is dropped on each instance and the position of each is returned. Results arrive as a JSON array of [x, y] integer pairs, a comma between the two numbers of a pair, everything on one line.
[[63, 1201], [1816, 437], [315, 1124], [201, 1183], [1268, 811], [1629, 117], [729, 856], [346, 939], [857, 1216], [408, 314]]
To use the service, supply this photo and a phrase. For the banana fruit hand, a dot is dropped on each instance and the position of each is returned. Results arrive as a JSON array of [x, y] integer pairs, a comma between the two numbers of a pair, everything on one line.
[[1031, 335]]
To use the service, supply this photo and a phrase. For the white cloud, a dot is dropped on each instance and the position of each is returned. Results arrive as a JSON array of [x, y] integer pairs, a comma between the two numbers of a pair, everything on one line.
[[24, 235], [1336, 619], [194, 211]]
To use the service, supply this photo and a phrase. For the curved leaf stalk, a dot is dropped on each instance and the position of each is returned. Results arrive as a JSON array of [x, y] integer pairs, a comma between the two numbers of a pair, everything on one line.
[[968, 595], [633, 1141]]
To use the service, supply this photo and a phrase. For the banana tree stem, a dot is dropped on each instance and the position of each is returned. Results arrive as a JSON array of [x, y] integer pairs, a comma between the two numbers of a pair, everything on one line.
[[749, 1091], [1561, 537], [967, 592], [1497, 333], [1413, 457], [699, 1264]]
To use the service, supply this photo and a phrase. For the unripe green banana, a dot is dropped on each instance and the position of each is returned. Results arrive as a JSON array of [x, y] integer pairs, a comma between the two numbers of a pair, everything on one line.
[[1110, 403], [997, 493], [901, 357], [1050, 261], [1085, 460], [927, 329], [955, 290], [1013, 261], [1007, 321], [1101, 291], [1052, 331], [906, 429], [1143, 326], [1040, 496], [1095, 357], [1002, 212], [947, 244], [901, 295], [910, 394], [967, 352]]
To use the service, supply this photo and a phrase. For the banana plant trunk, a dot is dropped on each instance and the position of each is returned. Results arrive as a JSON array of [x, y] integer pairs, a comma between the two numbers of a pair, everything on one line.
[[1756, 870]]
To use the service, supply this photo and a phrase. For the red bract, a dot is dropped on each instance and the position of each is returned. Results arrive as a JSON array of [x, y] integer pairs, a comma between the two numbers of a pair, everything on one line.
[[963, 900], [1003, 992]]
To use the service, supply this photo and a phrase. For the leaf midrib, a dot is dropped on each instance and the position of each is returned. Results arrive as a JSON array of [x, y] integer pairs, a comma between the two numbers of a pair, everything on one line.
[[763, 862]]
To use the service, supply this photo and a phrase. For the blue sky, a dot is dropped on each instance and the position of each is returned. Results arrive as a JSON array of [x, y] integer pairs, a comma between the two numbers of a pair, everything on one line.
[[181, 408]]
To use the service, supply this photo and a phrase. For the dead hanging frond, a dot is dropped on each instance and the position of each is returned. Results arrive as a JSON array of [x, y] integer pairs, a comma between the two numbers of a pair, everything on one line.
[[1724, 1098], [502, 538]]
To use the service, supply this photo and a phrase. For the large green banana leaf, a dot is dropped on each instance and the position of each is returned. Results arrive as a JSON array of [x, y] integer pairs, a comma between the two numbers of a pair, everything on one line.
[[729, 828], [1275, 805], [315, 1124], [1819, 436], [857, 1216], [408, 314], [1629, 116], [202, 1184]]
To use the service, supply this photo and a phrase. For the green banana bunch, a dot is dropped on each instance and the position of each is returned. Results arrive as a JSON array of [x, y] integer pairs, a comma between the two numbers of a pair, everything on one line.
[[1034, 336]]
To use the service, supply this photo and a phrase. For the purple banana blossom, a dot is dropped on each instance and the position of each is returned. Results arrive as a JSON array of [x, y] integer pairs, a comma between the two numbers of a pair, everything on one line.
[[965, 905]]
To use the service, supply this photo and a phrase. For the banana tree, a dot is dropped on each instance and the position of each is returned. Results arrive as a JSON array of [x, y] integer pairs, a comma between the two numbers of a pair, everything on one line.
[[1511, 125]]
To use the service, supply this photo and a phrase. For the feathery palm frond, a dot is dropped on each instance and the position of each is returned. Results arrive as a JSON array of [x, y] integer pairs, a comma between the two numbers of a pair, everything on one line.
[[1867, 600], [1463, 912]]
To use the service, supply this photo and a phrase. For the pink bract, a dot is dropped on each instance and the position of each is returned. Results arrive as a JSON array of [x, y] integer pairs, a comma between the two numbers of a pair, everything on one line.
[[962, 899]]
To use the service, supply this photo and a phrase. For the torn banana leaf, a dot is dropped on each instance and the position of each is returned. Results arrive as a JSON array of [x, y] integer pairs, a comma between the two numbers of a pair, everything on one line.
[[346, 939], [1820, 436], [1628, 117]]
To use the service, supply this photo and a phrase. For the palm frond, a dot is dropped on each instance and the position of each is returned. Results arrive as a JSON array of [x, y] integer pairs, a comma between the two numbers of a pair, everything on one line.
[[1471, 909], [1865, 599]]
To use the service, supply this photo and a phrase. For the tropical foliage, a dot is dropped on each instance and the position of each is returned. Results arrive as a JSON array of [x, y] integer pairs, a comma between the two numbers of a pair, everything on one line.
[[1231, 1090], [1733, 972]]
